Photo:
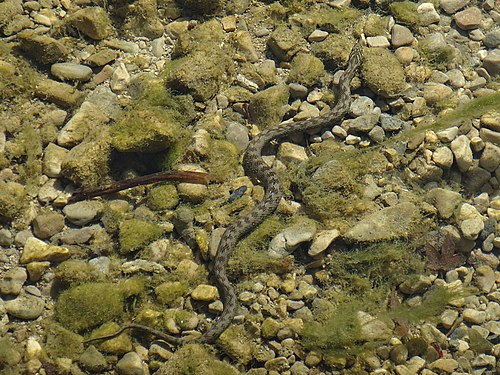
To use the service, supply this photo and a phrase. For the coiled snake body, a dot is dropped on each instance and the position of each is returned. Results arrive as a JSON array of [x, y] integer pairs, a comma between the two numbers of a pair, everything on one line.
[[256, 168]]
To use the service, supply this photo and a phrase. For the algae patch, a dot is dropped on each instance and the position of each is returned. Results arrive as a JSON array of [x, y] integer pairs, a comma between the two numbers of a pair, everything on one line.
[[88, 305], [136, 234]]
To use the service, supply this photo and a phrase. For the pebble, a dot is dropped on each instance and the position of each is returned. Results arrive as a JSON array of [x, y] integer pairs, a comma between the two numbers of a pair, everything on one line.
[[317, 36], [120, 79], [428, 14], [12, 281], [82, 213], [71, 72], [322, 240], [130, 364], [46, 225], [401, 36], [469, 18], [205, 293], [25, 306], [37, 250]]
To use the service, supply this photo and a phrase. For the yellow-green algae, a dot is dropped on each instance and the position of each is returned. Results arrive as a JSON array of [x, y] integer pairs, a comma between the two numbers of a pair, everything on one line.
[[136, 234], [9, 355], [195, 359], [437, 57], [17, 78], [267, 107], [163, 197], [405, 12], [306, 69], [12, 200], [73, 271], [88, 305], [120, 344], [61, 342]]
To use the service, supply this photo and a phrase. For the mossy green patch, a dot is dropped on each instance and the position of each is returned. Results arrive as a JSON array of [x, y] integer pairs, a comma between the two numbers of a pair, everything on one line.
[[331, 183], [267, 107], [376, 25], [201, 73], [12, 200], [87, 163], [88, 305], [437, 57], [306, 69], [9, 355], [17, 79], [336, 20], [463, 114], [223, 159], [168, 292], [382, 72], [340, 331], [203, 6], [62, 342], [145, 130], [73, 271], [163, 197], [136, 234], [334, 50], [363, 270], [405, 12], [195, 359]]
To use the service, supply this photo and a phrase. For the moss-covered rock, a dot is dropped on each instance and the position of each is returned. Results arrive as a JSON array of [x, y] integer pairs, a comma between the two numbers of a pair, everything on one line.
[[136, 234], [168, 292], [163, 197], [73, 271], [120, 344], [12, 200], [285, 43], [376, 25], [88, 305], [334, 50], [436, 52], [62, 343], [223, 159], [142, 19], [268, 107], [87, 163], [405, 12], [306, 69], [93, 22], [8, 10], [42, 48], [145, 130], [383, 72], [196, 360], [237, 343], [201, 73], [9, 353]]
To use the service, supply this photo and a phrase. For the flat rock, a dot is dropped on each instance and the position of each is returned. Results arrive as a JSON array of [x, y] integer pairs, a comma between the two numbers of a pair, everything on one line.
[[386, 224], [37, 250], [12, 281], [71, 72], [25, 306]]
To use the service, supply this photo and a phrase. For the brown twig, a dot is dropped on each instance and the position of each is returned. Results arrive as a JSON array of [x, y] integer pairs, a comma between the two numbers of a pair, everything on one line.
[[176, 176]]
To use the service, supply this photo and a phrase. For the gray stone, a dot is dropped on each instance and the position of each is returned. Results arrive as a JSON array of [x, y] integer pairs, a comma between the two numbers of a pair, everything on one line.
[[445, 201], [401, 36], [474, 316], [492, 38], [71, 72], [452, 6], [361, 106], [52, 159], [12, 281], [130, 364], [456, 78], [446, 365], [436, 92], [428, 14], [46, 225], [443, 157], [386, 224], [81, 213], [447, 135], [492, 63], [485, 278], [468, 19], [317, 36], [462, 151], [92, 360], [292, 153], [373, 328], [416, 286], [378, 41], [490, 159], [25, 306], [377, 134], [390, 123], [290, 238], [237, 134]]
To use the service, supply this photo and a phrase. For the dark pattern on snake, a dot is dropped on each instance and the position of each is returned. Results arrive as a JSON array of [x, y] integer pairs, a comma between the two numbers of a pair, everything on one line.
[[256, 168]]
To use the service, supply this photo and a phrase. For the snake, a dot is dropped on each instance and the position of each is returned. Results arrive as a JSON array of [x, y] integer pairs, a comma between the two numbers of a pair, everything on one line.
[[256, 168]]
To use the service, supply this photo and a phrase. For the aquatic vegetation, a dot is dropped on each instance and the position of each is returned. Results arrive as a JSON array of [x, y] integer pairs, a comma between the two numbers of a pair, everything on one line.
[[136, 234]]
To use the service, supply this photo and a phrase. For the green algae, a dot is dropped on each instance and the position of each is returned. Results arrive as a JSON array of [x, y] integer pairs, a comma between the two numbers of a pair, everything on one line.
[[88, 305], [17, 78], [73, 271], [436, 57], [9, 354], [136, 234], [195, 359], [382, 72], [12, 200], [267, 107], [405, 12], [306, 70], [163, 197], [61, 342], [223, 159], [168, 292]]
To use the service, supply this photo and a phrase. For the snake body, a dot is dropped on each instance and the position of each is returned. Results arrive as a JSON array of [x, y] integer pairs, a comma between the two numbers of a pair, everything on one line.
[[256, 168]]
